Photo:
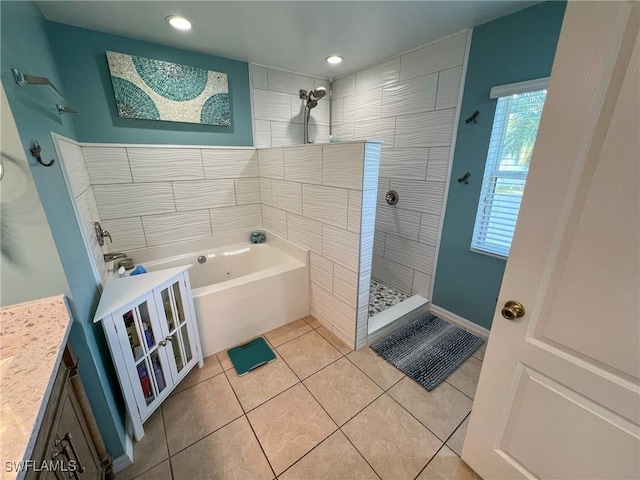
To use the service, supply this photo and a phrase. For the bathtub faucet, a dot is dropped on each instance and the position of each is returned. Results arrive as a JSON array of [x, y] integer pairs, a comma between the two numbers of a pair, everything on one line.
[[110, 257]]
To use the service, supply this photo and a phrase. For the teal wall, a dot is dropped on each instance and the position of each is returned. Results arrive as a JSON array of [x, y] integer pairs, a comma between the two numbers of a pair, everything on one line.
[[511, 49], [82, 64], [25, 46]]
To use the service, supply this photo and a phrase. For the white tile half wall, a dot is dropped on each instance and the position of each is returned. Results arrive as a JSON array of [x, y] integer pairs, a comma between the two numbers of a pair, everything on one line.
[[323, 198], [174, 194], [157, 195], [411, 103], [278, 110]]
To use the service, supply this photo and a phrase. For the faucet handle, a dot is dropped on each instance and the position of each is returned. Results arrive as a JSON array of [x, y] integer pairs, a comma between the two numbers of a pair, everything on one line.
[[101, 233]]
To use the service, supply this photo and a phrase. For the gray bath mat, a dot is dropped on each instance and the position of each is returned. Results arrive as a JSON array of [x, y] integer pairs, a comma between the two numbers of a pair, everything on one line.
[[428, 349]]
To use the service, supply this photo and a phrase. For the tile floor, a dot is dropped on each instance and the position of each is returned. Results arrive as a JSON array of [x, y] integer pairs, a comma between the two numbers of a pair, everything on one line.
[[320, 411]]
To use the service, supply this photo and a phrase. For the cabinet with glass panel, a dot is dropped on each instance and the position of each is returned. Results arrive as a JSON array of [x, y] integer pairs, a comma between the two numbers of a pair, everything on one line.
[[153, 337]]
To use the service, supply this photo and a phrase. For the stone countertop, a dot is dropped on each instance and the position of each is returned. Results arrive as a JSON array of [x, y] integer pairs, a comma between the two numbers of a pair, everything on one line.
[[32, 340]]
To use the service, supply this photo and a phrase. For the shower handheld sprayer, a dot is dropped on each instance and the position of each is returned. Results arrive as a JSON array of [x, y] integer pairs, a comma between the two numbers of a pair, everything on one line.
[[311, 98]]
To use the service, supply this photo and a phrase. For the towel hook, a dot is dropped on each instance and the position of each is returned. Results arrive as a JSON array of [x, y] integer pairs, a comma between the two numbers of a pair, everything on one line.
[[35, 152]]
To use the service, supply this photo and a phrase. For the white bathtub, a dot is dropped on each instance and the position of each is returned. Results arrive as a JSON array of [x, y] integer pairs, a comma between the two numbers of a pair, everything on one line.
[[243, 289]]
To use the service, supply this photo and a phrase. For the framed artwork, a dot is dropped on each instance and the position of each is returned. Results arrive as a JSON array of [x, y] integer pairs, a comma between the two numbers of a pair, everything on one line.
[[157, 90]]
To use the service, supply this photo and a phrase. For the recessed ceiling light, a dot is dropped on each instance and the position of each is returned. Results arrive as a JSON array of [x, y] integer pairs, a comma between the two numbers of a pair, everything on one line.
[[176, 21], [334, 59]]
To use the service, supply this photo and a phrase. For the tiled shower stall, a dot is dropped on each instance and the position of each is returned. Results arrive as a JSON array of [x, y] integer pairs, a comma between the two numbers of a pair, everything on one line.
[[411, 103]]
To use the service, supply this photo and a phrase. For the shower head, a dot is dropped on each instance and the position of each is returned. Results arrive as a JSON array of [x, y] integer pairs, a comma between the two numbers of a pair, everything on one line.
[[318, 93], [314, 95]]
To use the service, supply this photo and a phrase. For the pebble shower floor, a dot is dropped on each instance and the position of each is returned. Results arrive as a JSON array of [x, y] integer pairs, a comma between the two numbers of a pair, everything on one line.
[[382, 296]]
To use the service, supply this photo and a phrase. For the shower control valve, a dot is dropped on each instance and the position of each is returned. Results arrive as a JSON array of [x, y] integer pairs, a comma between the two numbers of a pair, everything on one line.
[[392, 197]]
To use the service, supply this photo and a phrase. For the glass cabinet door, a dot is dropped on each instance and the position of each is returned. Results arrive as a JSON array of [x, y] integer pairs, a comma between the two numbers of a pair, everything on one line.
[[172, 299], [146, 342]]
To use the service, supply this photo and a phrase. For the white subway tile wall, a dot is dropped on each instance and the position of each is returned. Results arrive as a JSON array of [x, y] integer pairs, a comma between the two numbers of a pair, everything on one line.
[[158, 164], [107, 165], [410, 102], [176, 227], [278, 111], [171, 195]]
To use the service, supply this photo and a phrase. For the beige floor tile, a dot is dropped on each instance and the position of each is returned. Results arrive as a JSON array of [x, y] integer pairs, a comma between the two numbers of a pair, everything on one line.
[[150, 451], [308, 353], [394, 443], [261, 384], [225, 361], [287, 332], [333, 459], [465, 378], [290, 425], [229, 453], [211, 368], [378, 369], [479, 353], [441, 410], [159, 472], [198, 411], [456, 441], [343, 390], [313, 323], [446, 465], [333, 340]]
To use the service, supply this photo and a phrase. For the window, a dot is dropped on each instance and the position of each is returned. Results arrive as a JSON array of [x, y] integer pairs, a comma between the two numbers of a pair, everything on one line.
[[515, 127]]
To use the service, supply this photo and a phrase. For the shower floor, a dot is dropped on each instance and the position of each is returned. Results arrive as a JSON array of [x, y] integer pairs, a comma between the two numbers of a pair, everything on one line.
[[382, 296]]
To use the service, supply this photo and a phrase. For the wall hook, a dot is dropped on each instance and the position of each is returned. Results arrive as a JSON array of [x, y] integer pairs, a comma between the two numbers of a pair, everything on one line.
[[35, 152], [465, 178], [472, 118]]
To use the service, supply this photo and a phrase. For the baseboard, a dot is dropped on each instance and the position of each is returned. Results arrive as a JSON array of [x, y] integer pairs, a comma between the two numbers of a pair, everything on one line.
[[462, 322], [126, 459]]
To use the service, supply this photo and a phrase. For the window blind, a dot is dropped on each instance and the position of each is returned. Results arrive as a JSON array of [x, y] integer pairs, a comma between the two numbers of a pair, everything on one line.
[[513, 135]]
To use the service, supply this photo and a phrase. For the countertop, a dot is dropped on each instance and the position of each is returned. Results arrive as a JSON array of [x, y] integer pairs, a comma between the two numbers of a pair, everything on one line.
[[32, 340]]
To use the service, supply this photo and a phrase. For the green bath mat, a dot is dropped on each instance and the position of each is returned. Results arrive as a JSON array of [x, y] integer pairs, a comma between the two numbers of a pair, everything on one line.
[[251, 355]]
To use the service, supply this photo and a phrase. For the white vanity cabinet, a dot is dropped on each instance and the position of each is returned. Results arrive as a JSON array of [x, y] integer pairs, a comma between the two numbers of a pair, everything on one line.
[[149, 321]]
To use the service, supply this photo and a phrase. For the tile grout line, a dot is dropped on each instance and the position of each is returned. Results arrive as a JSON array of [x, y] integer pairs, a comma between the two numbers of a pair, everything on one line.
[[347, 357], [250, 425], [339, 428], [174, 393], [164, 428], [430, 460], [204, 436], [161, 461], [456, 429], [416, 418], [314, 398]]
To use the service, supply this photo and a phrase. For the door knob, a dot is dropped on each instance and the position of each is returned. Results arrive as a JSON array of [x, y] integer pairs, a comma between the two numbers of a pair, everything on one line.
[[512, 310]]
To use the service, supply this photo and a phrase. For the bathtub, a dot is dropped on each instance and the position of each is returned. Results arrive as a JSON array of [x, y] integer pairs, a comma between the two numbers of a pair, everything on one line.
[[241, 290]]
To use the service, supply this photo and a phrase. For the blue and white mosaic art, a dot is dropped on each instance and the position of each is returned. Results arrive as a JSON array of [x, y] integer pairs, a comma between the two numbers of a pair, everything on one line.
[[157, 90]]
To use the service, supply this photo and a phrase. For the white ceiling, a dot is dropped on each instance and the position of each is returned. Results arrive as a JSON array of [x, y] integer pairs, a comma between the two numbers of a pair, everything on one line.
[[292, 35]]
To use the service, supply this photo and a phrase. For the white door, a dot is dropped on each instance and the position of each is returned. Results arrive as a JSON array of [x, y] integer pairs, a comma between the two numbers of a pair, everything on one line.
[[559, 393]]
